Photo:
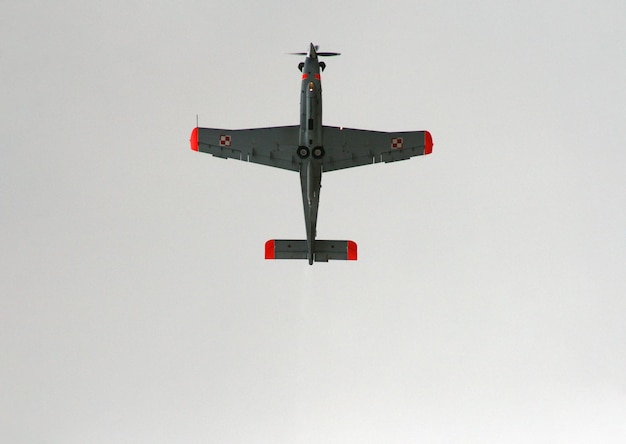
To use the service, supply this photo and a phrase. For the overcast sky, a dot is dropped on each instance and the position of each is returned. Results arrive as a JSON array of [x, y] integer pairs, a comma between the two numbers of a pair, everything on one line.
[[488, 303]]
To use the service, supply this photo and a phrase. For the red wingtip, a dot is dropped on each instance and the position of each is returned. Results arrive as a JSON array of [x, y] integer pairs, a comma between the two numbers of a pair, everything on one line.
[[194, 139], [352, 251], [269, 249], [428, 143]]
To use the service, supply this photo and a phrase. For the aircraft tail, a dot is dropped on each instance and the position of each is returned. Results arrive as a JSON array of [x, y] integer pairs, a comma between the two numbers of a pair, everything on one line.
[[323, 250]]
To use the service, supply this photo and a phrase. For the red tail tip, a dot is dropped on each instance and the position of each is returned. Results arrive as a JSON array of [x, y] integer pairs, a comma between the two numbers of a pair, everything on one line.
[[352, 251], [428, 143], [269, 249], [194, 139]]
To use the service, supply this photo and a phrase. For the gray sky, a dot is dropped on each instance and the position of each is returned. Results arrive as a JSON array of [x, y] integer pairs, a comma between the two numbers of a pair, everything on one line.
[[488, 302]]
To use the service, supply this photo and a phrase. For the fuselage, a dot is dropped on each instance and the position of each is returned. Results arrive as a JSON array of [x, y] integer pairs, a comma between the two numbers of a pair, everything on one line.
[[311, 104], [310, 148]]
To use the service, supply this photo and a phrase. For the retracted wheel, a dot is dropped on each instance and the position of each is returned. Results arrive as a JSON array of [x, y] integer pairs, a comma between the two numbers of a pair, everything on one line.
[[318, 152], [303, 152]]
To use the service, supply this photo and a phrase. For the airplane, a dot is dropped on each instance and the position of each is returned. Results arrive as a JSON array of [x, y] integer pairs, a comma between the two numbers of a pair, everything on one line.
[[311, 148]]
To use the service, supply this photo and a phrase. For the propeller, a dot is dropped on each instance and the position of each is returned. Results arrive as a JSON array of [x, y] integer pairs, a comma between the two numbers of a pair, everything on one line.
[[320, 54]]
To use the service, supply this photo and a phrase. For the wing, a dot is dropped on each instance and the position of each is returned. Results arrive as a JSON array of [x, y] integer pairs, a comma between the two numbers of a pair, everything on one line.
[[275, 146], [347, 148]]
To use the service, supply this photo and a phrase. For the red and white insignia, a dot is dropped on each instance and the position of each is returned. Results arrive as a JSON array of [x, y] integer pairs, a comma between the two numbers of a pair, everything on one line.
[[396, 143], [224, 140]]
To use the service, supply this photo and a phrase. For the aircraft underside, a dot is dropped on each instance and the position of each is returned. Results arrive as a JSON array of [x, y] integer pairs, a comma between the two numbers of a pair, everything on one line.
[[311, 148]]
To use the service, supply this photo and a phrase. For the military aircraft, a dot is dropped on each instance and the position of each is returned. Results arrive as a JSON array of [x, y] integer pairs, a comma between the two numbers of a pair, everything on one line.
[[310, 149]]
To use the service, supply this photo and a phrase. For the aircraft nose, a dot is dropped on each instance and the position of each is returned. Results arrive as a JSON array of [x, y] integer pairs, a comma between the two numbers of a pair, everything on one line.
[[312, 51]]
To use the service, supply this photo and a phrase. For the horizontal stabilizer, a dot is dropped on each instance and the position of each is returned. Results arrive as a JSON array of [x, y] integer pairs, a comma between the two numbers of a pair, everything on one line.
[[323, 250]]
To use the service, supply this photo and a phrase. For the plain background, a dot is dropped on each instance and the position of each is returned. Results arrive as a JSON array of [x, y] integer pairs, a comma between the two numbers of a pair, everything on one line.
[[488, 301]]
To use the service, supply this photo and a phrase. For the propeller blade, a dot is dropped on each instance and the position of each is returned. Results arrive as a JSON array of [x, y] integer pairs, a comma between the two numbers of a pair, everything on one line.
[[323, 54]]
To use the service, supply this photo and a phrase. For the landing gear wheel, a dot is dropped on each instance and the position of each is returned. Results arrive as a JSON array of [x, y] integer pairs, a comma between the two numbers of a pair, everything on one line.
[[318, 152], [303, 152]]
